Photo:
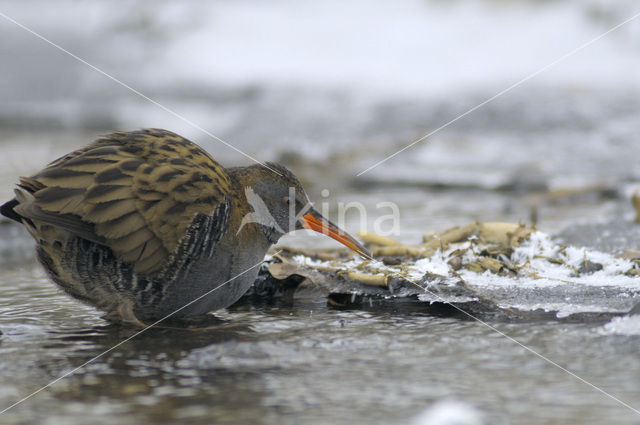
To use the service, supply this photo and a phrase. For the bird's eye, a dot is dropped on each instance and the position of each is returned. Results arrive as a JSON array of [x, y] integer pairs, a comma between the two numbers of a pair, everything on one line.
[[286, 201]]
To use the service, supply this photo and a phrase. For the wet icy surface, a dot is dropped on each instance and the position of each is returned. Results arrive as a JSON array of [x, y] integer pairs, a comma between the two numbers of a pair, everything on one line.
[[291, 363], [615, 234], [331, 94]]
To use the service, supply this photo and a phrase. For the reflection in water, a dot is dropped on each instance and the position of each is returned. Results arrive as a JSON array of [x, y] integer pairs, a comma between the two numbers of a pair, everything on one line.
[[173, 338], [143, 370]]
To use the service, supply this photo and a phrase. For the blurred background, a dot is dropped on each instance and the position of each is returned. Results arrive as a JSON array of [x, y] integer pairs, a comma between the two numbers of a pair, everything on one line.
[[331, 88]]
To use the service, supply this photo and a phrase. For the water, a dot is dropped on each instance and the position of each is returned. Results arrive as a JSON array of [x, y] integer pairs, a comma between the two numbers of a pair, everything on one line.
[[303, 363], [330, 94]]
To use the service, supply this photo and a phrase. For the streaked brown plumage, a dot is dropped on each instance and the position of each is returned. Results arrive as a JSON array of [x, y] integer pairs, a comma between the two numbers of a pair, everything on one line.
[[141, 223]]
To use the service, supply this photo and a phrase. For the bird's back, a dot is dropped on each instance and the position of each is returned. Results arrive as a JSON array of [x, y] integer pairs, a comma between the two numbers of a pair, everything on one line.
[[119, 220]]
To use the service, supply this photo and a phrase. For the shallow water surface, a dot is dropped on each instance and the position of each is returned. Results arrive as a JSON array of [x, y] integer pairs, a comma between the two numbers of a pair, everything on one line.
[[302, 363]]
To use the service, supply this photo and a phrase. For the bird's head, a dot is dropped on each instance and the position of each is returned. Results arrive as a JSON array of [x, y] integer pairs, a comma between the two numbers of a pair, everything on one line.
[[279, 205]]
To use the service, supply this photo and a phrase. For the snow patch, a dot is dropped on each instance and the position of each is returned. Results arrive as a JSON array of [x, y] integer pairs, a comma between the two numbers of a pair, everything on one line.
[[437, 264], [450, 412], [626, 325]]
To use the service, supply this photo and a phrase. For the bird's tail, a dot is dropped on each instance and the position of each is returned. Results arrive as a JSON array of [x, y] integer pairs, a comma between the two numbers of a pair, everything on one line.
[[7, 210], [24, 195]]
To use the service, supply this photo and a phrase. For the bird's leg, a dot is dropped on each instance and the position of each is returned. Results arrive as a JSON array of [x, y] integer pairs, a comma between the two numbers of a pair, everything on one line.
[[126, 314]]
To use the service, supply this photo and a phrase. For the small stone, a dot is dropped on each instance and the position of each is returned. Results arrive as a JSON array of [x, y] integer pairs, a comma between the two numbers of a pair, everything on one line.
[[588, 267], [391, 261]]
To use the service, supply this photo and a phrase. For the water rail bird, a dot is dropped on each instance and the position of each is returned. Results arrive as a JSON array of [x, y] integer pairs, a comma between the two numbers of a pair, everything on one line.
[[139, 224]]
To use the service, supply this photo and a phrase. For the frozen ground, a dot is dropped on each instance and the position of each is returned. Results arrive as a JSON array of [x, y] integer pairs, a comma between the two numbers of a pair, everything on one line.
[[538, 275]]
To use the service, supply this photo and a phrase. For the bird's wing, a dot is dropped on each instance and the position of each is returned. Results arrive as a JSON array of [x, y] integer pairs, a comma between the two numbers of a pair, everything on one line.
[[135, 192]]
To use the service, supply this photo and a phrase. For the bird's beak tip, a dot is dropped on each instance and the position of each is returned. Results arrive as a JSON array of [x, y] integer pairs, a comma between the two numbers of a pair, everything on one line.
[[320, 224]]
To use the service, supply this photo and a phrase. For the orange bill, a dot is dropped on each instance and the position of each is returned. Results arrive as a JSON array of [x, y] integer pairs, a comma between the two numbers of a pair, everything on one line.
[[315, 221]]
